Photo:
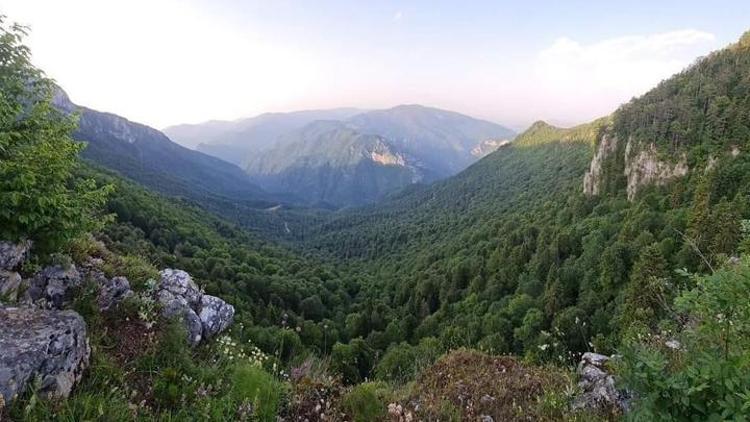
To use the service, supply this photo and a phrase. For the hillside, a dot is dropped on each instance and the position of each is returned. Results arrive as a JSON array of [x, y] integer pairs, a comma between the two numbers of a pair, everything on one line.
[[522, 253], [328, 162], [437, 144], [235, 141], [541, 133], [136, 283], [442, 140], [147, 156]]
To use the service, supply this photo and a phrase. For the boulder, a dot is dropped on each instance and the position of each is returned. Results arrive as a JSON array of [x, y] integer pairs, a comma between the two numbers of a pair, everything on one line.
[[177, 307], [13, 254], [112, 292], [54, 284], [204, 316], [598, 390], [9, 283], [215, 315], [179, 283], [45, 345]]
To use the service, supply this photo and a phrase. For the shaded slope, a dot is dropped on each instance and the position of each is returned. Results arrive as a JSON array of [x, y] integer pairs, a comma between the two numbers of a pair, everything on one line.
[[147, 156], [328, 162], [237, 141]]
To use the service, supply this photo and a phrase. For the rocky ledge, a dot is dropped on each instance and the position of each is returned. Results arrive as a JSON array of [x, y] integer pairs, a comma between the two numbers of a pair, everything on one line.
[[44, 348]]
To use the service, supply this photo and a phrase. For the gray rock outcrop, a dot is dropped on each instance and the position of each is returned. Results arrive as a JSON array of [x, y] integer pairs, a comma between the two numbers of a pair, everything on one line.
[[9, 284], [642, 166], [646, 168], [593, 177], [203, 315], [112, 291], [215, 315], [13, 254], [54, 285], [45, 346], [598, 386]]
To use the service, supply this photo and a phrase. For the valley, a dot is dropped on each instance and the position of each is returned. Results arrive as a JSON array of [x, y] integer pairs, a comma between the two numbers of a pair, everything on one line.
[[397, 264]]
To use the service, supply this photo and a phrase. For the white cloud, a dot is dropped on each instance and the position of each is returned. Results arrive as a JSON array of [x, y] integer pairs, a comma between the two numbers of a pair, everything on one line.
[[398, 16], [592, 79]]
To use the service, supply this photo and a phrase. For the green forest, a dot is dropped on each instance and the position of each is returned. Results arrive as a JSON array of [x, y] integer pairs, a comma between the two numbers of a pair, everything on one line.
[[355, 310]]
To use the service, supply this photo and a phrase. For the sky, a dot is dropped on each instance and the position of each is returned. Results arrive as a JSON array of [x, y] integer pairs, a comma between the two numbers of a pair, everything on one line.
[[166, 62]]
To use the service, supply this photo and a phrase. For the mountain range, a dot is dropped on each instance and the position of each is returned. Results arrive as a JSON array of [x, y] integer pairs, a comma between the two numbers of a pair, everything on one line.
[[619, 247], [307, 155]]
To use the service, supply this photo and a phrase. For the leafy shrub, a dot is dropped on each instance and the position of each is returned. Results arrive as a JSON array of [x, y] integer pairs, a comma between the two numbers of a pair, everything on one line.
[[38, 156], [701, 371], [251, 384], [402, 362], [353, 361], [367, 402]]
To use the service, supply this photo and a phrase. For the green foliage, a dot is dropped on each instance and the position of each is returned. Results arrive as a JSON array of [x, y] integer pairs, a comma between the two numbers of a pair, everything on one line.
[[705, 378], [402, 362], [250, 384], [367, 402], [353, 361], [41, 201], [541, 133]]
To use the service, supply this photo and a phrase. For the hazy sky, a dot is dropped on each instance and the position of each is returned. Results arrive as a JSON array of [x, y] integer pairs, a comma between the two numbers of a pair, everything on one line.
[[163, 62]]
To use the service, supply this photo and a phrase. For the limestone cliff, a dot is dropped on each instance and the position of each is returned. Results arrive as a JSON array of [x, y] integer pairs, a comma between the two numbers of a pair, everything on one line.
[[640, 164]]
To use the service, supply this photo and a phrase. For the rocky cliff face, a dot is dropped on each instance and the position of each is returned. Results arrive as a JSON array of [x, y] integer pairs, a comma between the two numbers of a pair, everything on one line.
[[644, 168], [641, 165], [593, 178]]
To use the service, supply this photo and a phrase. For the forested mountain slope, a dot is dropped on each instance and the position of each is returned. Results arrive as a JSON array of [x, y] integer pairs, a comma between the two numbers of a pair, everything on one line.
[[329, 162], [442, 140], [237, 141], [627, 236], [288, 153], [147, 156], [513, 255]]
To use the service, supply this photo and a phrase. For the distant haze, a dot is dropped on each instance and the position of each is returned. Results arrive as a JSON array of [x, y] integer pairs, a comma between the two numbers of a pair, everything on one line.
[[167, 62]]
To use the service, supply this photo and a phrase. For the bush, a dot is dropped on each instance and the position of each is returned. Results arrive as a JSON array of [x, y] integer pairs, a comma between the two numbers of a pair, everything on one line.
[[38, 157], [252, 385], [705, 375], [367, 402], [402, 362]]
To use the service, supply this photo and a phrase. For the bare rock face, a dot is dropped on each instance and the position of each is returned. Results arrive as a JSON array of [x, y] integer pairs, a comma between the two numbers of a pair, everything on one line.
[[45, 345], [592, 179], [179, 283], [645, 168], [54, 285], [204, 316], [598, 386], [174, 306]]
